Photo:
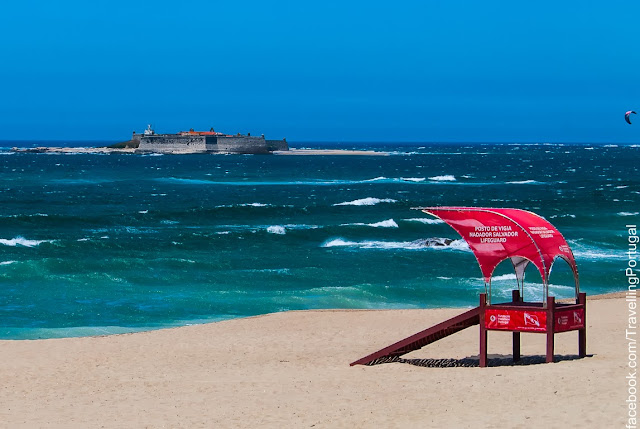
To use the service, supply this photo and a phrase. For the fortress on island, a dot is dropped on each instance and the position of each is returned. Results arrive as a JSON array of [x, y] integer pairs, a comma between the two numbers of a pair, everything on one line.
[[204, 142]]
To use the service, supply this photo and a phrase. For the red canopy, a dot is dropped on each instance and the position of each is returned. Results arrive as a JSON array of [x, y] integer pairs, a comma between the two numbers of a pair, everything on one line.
[[495, 234]]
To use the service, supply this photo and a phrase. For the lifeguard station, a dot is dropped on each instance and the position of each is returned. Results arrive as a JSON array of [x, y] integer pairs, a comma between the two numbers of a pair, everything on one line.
[[494, 235]]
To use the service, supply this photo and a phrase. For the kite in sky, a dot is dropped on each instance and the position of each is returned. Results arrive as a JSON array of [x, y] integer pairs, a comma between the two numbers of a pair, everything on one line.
[[626, 116]]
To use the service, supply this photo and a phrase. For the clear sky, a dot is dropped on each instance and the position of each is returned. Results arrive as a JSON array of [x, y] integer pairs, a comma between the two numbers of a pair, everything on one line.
[[543, 71]]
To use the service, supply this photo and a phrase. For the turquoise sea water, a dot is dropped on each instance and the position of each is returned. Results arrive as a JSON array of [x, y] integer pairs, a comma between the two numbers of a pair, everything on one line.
[[94, 244]]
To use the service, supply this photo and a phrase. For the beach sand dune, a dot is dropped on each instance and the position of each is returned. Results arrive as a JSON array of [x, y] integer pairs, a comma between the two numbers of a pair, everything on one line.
[[292, 370]]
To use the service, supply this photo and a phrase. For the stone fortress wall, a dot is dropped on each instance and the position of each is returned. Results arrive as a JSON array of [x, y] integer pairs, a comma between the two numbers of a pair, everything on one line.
[[194, 143], [172, 144], [239, 144]]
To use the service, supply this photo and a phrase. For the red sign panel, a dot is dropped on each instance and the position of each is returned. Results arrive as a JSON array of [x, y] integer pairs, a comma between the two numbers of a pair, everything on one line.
[[515, 320], [568, 320]]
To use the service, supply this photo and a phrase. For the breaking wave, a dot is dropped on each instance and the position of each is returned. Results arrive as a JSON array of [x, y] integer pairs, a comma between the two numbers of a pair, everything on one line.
[[426, 220], [533, 291], [444, 178], [276, 229], [503, 277], [253, 205], [406, 245], [369, 201], [389, 223], [21, 241], [523, 182], [583, 251]]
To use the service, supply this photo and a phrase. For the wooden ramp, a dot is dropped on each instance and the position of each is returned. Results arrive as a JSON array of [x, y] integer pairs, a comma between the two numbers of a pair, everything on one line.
[[421, 339]]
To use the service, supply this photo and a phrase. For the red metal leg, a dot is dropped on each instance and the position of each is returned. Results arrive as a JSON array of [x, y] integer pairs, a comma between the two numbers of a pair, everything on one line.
[[515, 297], [582, 333], [483, 332], [516, 346]]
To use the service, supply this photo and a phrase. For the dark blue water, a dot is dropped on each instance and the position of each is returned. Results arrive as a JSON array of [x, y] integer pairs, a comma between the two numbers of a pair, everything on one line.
[[116, 243]]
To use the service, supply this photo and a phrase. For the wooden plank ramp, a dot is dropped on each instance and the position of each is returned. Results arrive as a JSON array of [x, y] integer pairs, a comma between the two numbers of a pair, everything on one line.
[[421, 339]]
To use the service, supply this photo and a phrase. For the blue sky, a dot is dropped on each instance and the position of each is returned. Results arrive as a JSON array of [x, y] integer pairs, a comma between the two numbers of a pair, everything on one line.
[[503, 71]]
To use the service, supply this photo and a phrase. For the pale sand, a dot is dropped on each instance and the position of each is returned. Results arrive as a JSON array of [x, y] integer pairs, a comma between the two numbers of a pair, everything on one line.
[[291, 370]]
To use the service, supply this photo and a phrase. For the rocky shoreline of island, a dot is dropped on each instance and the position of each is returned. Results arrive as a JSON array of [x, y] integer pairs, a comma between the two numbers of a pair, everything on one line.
[[133, 150]]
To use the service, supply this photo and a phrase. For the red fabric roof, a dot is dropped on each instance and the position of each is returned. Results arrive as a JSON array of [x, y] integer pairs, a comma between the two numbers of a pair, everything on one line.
[[495, 234]]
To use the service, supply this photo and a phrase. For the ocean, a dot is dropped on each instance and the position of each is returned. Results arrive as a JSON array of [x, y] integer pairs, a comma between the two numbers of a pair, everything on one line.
[[100, 244]]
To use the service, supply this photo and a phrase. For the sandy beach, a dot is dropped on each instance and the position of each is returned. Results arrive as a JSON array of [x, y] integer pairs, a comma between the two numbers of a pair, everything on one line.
[[292, 370]]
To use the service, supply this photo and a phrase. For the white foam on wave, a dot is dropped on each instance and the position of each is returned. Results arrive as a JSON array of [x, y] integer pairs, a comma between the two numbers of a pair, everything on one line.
[[572, 216], [369, 201], [7, 262], [339, 242], [595, 253], [460, 244], [426, 220], [21, 241], [533, 291], [253, 205], [300, 226], [628, 213], [503, 277], [522, 182], [230, 206], [389, 223], [444, 178], [314, 182], [276, 229], [273, 229], [392, 245]]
